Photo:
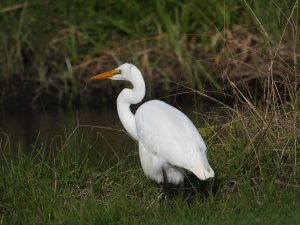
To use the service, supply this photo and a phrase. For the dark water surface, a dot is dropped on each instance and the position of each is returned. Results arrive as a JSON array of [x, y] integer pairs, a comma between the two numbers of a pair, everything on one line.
[[28, 129]]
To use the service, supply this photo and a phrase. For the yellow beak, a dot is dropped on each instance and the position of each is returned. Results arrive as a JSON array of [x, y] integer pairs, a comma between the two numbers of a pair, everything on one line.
[[105, 75]]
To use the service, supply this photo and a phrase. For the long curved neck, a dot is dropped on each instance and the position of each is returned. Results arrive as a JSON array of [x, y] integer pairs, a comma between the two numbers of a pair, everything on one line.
[[128, 97]]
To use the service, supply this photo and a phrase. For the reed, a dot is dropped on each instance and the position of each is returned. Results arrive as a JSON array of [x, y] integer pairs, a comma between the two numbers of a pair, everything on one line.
[[47, 50]]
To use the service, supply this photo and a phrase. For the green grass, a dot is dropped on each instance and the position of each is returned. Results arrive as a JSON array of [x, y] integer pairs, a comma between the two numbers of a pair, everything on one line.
[[256, 163], [48, 49]]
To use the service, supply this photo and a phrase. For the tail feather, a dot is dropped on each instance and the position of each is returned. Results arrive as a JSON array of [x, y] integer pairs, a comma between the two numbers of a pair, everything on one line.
[[203, 173]]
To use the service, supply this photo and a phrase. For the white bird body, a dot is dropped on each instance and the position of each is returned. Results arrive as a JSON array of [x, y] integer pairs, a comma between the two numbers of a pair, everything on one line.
[[177, 143], [169, 143]]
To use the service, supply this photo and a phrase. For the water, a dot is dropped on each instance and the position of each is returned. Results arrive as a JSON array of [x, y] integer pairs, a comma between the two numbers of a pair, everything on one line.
[[28, 129]]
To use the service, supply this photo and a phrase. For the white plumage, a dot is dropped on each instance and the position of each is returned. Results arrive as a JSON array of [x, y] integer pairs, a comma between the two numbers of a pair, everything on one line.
[[169, 143]]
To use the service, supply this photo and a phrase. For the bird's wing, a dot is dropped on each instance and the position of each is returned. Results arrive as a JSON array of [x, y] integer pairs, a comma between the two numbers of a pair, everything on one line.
[[170, 135]]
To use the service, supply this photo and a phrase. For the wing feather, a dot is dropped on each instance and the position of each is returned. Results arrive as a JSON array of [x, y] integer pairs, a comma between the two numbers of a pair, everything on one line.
[[170, 135]]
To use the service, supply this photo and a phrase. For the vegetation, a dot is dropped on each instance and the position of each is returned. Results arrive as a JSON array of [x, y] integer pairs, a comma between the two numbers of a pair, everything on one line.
[[255, 154], [48, 49]]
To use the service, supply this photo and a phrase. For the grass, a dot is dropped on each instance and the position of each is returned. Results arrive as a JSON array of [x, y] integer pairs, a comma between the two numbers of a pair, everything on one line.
[[256, 159], [48, 49]]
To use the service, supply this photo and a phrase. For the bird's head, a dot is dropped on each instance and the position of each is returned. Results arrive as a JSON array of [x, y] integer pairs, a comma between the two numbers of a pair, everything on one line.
[[123, 72]]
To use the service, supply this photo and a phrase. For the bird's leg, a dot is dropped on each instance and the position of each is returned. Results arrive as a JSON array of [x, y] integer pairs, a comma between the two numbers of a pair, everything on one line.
[[212, 186], [181, 190], [165, 185]]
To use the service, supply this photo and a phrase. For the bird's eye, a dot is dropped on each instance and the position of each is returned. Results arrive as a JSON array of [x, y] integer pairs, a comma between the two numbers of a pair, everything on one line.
[[119, 71]]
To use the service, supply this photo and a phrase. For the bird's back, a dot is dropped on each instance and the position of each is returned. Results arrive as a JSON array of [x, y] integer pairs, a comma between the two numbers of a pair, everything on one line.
[[169, 134]]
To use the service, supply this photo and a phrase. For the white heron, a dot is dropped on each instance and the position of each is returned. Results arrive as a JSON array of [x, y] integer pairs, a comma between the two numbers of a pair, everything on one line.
[[169, 143]]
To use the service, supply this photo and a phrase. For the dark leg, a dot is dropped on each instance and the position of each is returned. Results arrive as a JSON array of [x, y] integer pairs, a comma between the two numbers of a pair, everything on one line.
[[181, 190], [165, 184], [212, 186]]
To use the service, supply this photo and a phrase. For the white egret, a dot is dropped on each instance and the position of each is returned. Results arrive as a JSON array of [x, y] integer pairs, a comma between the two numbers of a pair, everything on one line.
[[169, 143]]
